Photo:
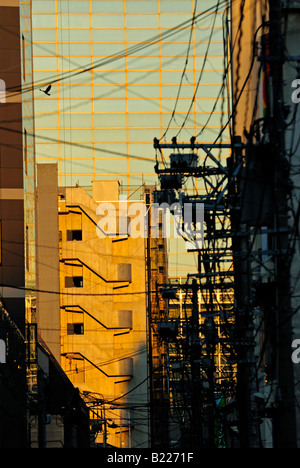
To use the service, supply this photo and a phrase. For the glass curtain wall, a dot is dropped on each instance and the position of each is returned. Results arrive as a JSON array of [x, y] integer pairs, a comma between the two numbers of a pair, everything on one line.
[[123, 72], [28, 156]]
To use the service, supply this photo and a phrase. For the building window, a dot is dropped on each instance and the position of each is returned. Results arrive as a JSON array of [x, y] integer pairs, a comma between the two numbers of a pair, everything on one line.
[[27, 247], [23, 58], [75, 235], [73, 282], [75, 329], [25, 151], [2, 92]]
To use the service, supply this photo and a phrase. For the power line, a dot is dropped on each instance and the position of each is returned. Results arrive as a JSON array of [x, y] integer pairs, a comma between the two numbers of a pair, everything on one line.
[[136, 48], [203, 65], [31, 289], [245, 82], [115, 153], [183, 72], [80, 145]]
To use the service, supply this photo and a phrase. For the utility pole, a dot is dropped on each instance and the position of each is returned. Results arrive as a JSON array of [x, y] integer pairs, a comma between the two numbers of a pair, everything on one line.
[[158, 378], [284, 420], [149, 325], [248, 423], [195, 369], [217, 272], [105, 428]]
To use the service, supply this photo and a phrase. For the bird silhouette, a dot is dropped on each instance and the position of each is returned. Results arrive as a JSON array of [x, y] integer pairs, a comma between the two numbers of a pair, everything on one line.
[[47, 91]]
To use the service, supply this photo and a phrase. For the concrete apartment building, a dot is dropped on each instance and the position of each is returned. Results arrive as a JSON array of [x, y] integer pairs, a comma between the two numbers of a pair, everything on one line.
[[13, 424], [11, 166], [98, 324]]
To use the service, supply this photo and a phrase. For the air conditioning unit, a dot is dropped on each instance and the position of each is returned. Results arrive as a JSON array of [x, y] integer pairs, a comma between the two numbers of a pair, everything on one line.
[[124, 272], [118, 319], [125, 367]]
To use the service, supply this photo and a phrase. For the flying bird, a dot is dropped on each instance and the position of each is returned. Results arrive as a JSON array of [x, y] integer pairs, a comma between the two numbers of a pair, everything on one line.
[[47, 91]]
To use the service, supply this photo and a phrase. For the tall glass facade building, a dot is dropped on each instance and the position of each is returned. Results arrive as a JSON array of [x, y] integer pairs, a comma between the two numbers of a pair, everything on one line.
[[123, 72]]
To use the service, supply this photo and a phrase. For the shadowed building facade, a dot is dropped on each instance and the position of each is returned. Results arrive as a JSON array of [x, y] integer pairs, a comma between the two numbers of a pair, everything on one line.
[[11, 183]]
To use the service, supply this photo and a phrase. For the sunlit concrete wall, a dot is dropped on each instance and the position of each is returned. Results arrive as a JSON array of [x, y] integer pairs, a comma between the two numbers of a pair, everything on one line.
[[103, 314], [247, 17], [48, 310]]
